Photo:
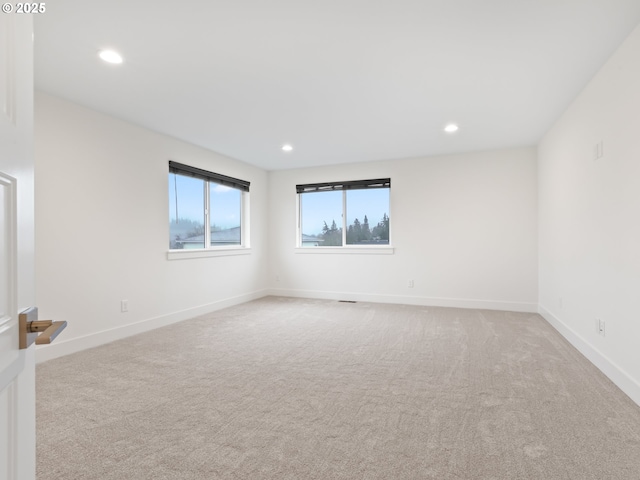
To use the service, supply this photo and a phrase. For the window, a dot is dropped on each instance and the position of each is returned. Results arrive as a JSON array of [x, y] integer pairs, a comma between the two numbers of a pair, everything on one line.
[[341, 214], [205, 209]]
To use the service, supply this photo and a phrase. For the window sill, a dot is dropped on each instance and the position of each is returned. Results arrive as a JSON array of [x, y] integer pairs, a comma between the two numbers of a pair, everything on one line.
[[348, 250], [207, 252]]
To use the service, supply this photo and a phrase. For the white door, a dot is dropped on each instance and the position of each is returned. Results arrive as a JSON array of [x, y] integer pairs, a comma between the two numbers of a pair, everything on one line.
[[17, 282]]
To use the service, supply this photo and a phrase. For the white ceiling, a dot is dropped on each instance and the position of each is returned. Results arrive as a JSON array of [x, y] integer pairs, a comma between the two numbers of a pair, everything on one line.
[[341, 80]]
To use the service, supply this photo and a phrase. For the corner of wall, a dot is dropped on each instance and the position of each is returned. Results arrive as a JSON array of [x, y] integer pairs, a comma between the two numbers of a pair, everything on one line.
[[615, 373], [63, 348]]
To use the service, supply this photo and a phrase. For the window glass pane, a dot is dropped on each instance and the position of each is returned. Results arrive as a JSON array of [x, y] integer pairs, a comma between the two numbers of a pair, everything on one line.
[[186, 212], [321, 218], [225, 207], [368, 217]]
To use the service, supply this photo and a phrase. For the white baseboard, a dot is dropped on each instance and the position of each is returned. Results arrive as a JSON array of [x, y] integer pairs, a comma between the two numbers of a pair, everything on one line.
[[408, 300], [62, 348], [622, 379]]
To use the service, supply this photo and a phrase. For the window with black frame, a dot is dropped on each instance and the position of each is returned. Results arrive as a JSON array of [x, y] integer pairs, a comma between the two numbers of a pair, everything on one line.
[[205, 208], [338, 214]]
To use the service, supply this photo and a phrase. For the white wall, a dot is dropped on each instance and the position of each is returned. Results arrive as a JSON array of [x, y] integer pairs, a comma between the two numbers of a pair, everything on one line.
[[472, 230], [590, 219], [102, 229], [463, 227]]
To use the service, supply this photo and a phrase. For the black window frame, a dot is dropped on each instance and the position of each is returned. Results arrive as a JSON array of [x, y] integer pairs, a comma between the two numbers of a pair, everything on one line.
[[209, 177], [344, 186]]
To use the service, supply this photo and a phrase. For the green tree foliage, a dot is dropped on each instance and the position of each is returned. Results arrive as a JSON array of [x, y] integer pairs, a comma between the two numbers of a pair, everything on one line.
[[332, 235], [357, 233], [381, 231], [366, 233]]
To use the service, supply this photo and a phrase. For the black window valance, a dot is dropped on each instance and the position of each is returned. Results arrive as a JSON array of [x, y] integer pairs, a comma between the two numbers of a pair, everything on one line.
[[350, 185], [181, 169]]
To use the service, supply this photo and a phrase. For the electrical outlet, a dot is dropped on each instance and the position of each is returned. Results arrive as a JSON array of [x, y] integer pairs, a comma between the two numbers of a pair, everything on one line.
[[601, 327], [410, 284], [124, 306]]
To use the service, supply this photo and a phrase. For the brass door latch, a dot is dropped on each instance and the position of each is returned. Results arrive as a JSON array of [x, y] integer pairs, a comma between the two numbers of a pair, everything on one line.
[[41, 332]]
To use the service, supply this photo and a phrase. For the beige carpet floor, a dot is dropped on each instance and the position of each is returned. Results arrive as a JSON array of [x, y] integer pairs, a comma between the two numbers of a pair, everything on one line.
[[284, 388]]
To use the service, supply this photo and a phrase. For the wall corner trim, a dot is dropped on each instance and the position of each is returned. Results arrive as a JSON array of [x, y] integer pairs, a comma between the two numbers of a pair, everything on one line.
[[619, 377], [408, 300], [62, 348]]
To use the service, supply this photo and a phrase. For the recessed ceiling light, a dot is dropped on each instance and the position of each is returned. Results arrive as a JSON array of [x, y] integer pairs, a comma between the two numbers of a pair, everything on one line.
[[452, 127], [110, 56], [287, 147]]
